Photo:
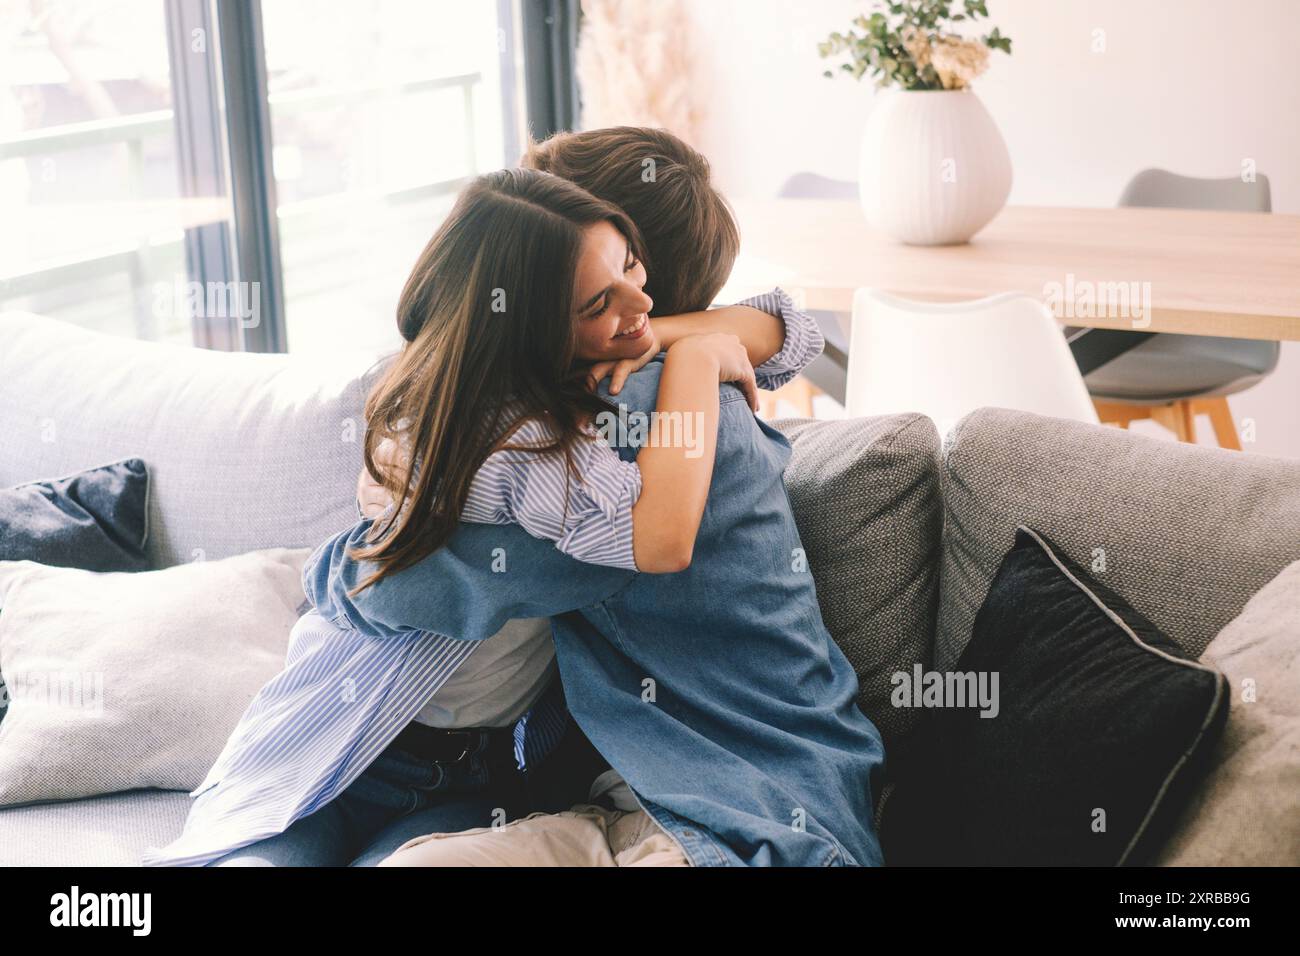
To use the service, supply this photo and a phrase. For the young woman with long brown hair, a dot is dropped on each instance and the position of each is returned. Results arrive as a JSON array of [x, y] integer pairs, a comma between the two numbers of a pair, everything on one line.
[[527, 283]]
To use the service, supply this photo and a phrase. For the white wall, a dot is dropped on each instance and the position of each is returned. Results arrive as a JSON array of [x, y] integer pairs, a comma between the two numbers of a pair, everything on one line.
[[1195, 86]]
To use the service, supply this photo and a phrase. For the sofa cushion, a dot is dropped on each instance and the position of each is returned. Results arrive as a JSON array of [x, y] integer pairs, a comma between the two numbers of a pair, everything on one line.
[[1069, 733], [865, 494], [111, 830], [1248, 811], [244, 451], [95, 519], [1186, 534], [120, 681]]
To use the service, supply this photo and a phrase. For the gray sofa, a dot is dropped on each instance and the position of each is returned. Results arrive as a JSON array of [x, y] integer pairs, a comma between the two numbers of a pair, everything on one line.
[[903, 534]]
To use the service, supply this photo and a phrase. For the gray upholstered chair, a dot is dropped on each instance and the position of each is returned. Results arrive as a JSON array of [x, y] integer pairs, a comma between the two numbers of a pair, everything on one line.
[[1172, 378], [829, 371]]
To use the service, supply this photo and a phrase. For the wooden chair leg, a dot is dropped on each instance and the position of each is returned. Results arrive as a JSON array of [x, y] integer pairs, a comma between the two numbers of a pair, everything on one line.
[[1225, 429], [1118, 413], [1186, 421], [801, 396], [798, 392], [1164, 416], [1177, 417]]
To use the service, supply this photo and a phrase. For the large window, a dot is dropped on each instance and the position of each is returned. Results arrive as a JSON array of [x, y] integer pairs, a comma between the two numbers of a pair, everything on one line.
[[92, 217], [158, 179], [378, 114]]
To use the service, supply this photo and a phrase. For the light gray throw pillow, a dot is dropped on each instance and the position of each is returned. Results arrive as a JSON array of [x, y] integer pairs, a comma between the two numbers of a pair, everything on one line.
[[118, 681], [1247, 812]]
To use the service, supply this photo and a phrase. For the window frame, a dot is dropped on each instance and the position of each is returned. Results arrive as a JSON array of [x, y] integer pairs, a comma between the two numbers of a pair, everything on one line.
[[221, 124], [252, 178], [550, 37]]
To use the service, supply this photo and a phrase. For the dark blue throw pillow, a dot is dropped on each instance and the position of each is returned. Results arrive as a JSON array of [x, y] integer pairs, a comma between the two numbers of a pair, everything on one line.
[[1097, 730], [96, 520]]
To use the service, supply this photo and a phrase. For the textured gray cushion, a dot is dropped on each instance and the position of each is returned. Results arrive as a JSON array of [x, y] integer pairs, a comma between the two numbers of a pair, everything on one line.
[[1248, 811], [1187, 534], [244, 451], [865, 494], [111, 830]]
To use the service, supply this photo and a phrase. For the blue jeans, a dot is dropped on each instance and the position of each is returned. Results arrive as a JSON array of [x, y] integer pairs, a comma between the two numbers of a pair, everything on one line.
[[402, 795]]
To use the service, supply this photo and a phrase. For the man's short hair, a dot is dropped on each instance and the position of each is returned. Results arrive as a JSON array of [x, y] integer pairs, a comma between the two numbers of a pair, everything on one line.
[[690, 234]]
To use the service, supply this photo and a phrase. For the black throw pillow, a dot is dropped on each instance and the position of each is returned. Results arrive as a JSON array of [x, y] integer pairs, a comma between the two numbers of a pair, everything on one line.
[[1099, 728], [96, 520]]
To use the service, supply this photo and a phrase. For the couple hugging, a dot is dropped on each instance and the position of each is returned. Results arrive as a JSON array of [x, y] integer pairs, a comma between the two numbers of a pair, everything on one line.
[[538, 646]]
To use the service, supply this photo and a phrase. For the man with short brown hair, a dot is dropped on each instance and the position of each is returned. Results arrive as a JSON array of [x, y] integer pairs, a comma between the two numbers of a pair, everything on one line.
[[665, 187]]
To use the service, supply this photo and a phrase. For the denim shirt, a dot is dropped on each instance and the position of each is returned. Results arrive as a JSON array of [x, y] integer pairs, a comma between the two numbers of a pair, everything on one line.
[[716, 692]]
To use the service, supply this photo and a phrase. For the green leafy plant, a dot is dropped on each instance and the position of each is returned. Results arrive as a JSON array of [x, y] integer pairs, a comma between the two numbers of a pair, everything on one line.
[[913, 45]]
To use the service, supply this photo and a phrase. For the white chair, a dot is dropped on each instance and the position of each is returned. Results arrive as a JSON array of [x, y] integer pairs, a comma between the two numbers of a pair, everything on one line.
[[945, 359]]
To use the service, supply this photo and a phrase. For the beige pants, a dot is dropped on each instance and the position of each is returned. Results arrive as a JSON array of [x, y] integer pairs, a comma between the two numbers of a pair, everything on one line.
[[587, 835]]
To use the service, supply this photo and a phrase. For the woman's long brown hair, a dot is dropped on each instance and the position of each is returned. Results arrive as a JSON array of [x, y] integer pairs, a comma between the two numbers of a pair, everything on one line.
[[488, 315]]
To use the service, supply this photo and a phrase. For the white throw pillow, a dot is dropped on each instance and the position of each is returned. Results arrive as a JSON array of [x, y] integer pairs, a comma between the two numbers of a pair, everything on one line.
[[119, 681], [1247, 812]]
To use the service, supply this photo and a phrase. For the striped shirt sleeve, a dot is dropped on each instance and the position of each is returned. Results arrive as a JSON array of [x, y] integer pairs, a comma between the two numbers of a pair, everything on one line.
[[803, 339], [587, 515]]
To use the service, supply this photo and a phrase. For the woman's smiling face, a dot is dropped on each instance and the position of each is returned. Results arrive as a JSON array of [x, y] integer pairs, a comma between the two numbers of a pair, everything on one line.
[[612, 311]]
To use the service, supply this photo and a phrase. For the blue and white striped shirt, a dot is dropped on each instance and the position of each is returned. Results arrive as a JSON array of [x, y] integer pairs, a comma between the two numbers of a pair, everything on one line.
[[342, 697]]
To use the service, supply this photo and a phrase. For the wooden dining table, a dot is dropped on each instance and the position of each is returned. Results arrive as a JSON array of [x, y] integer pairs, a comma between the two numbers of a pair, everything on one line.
[[1204, 273]]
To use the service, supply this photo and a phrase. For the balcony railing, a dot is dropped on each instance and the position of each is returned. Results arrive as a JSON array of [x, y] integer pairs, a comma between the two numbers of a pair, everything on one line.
[[131, 254]]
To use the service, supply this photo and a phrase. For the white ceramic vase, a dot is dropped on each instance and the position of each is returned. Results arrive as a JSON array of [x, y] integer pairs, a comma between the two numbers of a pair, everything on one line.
[[934, 169]]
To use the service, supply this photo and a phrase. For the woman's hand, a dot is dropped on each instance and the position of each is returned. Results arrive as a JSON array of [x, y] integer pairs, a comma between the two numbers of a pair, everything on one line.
[[619, 370], [731, 356], [372, 496]]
